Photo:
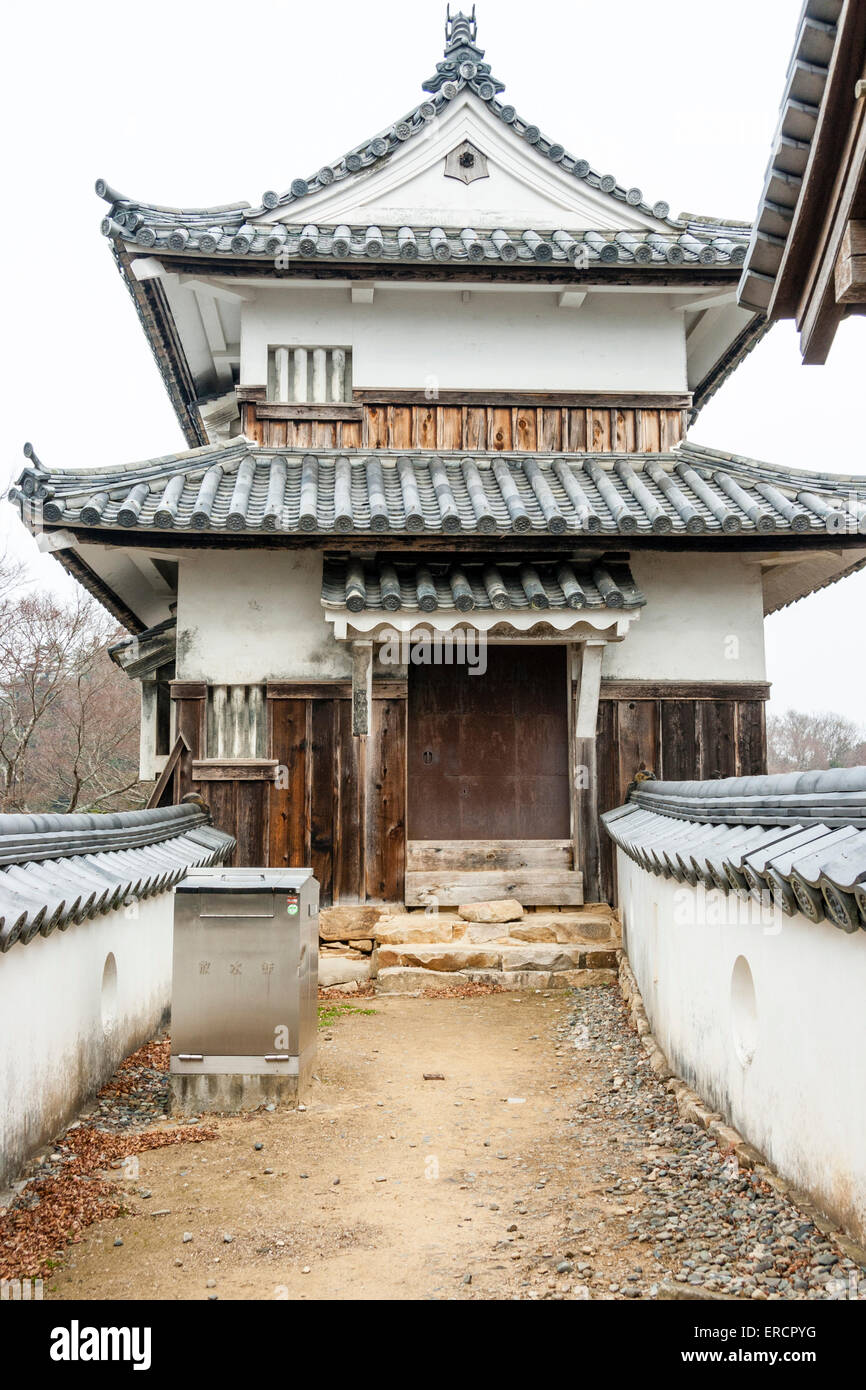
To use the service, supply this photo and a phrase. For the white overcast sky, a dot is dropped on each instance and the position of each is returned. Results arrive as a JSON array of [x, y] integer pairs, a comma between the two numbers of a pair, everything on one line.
[[195, 103]]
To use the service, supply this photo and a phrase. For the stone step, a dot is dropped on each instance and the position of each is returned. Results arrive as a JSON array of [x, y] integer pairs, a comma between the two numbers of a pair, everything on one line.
[[413, 980], [447, 957], [585, 926]]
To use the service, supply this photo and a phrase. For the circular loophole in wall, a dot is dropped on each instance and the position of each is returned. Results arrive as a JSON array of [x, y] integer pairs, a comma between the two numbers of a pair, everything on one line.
[[744, 1011], [109, 991]]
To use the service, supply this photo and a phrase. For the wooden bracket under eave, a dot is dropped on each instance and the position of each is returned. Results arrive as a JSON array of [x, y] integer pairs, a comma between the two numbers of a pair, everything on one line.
[[850, 268]]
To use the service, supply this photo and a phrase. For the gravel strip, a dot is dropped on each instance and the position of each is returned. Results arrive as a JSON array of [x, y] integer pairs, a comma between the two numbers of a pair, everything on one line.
[[699, 1220]]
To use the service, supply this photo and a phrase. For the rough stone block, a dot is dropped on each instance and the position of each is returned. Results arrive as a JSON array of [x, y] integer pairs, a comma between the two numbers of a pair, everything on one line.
[[529, 931], [479, 932], [599, 960], [416, 928], [339, 970], [539, 957], [500, 910], [438, 958], [583, 979], [724, 1135], [487, 977], [346, 923]]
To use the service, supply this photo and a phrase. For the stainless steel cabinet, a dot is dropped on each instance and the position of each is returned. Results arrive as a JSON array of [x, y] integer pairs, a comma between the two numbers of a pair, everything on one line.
[[245, 972]]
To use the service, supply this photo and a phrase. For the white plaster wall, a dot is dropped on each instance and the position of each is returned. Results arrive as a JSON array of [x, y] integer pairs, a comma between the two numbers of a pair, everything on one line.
[[519, 341], [801, 1098], [703, 620], [249, 616], [59, 1041]]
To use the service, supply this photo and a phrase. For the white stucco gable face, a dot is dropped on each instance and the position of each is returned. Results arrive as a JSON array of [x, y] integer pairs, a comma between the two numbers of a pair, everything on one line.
[[522, 188]]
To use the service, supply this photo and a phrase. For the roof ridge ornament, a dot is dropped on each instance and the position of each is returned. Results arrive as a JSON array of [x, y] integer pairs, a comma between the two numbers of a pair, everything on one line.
[[459, 28], [463, 58]]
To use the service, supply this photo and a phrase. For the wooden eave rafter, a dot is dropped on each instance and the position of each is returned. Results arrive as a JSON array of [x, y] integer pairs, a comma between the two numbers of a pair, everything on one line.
[[834, 190]]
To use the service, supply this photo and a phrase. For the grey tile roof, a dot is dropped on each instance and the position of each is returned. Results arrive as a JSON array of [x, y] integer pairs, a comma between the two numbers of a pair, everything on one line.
[[798, 119], [241, 487], [59, 869], [700, 243], [236, 229], [441, 585], [798, 837]]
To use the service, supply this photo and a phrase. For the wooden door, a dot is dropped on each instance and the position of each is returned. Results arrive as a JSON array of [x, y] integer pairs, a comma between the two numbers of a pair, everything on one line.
[[488, 754]]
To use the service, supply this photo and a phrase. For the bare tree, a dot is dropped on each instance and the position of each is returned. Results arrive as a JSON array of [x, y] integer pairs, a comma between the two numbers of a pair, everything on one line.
[[798, 741], [68, 716]]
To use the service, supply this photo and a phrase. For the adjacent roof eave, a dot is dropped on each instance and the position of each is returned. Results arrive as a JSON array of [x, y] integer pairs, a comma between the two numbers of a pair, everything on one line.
[[782, 276]]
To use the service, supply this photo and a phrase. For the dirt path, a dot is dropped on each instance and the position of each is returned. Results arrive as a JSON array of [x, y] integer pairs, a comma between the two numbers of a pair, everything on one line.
[[438, 1180], [548, 1163]]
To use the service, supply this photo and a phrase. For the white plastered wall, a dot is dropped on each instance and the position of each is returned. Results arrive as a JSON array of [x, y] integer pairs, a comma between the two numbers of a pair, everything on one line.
[[61, 1033], [703, 620], [423, 337], [800, 1098], [248, 616]]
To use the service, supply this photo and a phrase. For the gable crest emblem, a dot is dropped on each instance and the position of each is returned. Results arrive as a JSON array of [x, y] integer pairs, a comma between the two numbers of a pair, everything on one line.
[[466, 163]]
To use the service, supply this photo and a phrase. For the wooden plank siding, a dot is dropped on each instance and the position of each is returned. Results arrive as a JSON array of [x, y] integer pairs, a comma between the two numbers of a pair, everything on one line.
[[338, 803], [342, 808], [477, 428], [700, 732]]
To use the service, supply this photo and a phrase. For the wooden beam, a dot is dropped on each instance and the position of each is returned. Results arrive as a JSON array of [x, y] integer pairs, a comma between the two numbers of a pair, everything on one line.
[[850, 271], [293, 410], [188, 690], [708, 301], [331, 690], [488, 274], [638, 400], [539, 888], [684, 690], [181, 748], [234, 769]]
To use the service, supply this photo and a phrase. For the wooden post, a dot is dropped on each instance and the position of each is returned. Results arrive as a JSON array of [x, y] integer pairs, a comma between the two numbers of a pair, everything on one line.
[[362, 687], [147, 737], [587, 829]]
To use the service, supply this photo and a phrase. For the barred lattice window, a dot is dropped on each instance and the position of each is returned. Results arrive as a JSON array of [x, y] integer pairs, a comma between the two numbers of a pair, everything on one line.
[[309, 375]]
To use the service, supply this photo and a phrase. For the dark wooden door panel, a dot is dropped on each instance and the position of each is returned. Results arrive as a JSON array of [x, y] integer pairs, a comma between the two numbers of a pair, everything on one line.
[[488, 754]]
